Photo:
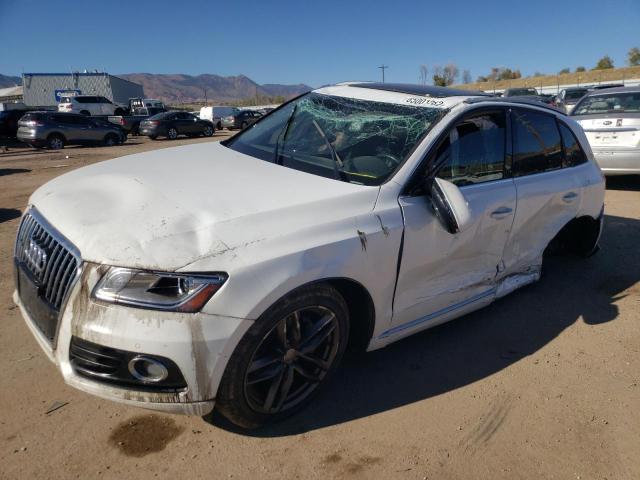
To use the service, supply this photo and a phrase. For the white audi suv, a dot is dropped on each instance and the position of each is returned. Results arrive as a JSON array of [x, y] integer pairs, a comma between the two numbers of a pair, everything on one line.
[[235, 274]]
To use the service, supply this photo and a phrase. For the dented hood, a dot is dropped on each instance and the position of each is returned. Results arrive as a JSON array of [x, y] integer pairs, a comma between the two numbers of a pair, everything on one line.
[[169, 208]]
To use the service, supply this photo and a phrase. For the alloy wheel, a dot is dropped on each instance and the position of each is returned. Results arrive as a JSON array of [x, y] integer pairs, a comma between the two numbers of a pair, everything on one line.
[[292, 359], [56, 143]]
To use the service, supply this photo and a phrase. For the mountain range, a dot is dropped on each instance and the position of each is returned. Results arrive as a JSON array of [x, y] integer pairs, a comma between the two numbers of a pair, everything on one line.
[[180, 88], [9, 81]]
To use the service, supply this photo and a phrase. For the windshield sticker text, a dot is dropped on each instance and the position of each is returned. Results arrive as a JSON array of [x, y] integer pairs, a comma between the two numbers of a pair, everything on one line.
[[425, 101]]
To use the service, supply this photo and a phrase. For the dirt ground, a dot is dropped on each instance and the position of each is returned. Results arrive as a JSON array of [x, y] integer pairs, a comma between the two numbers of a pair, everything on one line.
[[542, 384]]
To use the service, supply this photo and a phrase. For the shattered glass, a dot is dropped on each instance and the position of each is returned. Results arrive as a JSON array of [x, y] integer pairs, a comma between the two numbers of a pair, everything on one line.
[[362, 140]]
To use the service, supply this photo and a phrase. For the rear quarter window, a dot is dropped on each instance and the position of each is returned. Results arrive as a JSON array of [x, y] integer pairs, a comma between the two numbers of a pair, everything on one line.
[[573, 153], [537, 146]]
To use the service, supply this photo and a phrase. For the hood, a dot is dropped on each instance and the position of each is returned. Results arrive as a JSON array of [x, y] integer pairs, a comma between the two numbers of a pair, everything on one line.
[[169, 208]]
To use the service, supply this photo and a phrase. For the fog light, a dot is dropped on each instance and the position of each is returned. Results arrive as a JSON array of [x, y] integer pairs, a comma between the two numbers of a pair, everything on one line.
[[147, 369]]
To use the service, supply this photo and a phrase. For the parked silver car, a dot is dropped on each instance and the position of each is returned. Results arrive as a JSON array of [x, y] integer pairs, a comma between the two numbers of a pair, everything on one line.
[[611, 121], [54, 130]]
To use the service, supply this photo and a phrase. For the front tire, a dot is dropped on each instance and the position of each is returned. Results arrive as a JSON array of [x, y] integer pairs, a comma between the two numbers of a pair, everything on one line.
[[172, 133], [208, 131], [285, 358]]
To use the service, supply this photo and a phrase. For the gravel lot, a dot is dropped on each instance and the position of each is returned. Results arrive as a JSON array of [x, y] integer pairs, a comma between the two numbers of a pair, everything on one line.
[[542, 384]]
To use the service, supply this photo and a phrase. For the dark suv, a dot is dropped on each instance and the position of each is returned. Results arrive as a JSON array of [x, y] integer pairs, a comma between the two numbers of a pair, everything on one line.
[[54, 130], [172, 124], [241, 119]]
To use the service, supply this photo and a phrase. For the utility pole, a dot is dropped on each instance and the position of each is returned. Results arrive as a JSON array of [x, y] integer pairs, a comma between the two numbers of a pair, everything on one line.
[[383, 67]]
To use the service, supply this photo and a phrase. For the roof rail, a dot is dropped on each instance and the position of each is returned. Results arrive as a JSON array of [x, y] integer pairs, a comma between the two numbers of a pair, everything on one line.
[[421, 90], [520, 100]]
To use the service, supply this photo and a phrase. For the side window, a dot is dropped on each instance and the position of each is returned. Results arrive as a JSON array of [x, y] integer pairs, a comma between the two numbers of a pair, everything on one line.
[[573, 154], [474, 151], [537, 147]]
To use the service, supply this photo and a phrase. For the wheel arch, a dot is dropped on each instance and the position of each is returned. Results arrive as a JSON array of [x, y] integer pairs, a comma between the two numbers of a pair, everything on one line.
[[579, 236], [57, 133], [362, 314]]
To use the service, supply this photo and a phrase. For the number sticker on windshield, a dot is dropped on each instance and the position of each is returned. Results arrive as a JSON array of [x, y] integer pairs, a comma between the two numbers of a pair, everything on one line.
[[425, 101]]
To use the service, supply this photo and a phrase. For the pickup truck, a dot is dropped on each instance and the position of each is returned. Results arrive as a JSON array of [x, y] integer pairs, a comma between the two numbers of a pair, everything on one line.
[[139, 109]]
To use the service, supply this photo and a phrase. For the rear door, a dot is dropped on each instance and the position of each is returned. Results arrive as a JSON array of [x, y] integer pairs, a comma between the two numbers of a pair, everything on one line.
[[74, 129], [442, 273], [183, 123], [549, 195]]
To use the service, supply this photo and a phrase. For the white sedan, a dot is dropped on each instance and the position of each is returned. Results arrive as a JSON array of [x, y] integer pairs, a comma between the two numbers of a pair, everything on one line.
[[235, 274]]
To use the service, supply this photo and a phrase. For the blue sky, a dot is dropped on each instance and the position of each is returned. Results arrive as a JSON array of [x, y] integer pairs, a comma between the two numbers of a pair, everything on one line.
[[312, 42]]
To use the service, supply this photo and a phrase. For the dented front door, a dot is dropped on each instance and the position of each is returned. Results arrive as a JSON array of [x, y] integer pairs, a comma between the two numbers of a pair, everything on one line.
[[439, 271]]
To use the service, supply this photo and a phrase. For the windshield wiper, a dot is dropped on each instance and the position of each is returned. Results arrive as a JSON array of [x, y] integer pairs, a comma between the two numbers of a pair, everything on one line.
[[338, 166], [283, 136]]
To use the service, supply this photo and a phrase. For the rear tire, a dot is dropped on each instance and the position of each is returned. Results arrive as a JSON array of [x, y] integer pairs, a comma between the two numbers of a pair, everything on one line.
[[244, 125], [85, 112], [172, 133], [285, 358], [111, 139], [119, 111], [219, 126], [153, 137], [55, 142]]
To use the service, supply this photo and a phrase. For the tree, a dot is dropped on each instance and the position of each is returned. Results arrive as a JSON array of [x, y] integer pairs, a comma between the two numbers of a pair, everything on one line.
[[539, 74], [424, 71], [438, 76], [564, 71], [482, 79], [580, 69], [633, 57], [466, 76], [451, 73], [604, 63]]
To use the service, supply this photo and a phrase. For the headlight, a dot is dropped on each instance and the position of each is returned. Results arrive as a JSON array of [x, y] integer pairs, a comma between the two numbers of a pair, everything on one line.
[[157, 290]]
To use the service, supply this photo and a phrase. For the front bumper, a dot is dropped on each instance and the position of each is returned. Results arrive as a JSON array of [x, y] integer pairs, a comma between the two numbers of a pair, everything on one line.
[[618, 161], [199, 344]]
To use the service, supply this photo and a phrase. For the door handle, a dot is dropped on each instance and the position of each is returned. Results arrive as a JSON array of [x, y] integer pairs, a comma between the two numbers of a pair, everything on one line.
[[501, 212], [570, 197]]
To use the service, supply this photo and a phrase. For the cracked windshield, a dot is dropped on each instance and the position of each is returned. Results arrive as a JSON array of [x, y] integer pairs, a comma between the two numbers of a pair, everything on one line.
[[357, 141]]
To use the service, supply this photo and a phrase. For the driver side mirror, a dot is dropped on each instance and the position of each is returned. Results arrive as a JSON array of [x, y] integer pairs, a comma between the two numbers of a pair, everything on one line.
[[449, 205]]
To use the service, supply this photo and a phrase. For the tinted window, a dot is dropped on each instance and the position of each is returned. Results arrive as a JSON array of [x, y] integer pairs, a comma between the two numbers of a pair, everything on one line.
[[474, 150], [82, 99], [162, 116], [574, 94], [573, 154], [537, 146]]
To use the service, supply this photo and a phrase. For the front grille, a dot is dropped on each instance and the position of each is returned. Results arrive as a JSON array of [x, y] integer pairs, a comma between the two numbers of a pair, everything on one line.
[[46, 266], [41, 251]]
